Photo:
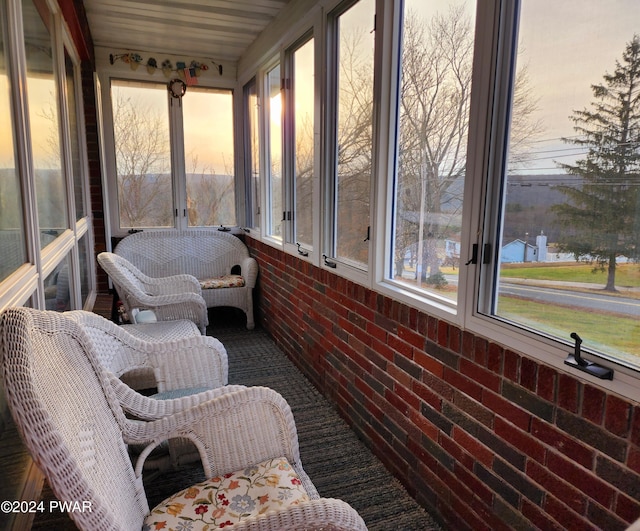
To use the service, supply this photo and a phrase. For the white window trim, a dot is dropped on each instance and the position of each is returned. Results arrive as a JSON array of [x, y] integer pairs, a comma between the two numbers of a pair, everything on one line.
[[265, 153], [289, 141], [27, 281], [120, 71], [361, 274], [486, 141], [388, 27], [479, 187]]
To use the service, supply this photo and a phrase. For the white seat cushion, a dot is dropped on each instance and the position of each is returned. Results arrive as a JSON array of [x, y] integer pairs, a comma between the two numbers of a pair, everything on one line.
[[225, 500]]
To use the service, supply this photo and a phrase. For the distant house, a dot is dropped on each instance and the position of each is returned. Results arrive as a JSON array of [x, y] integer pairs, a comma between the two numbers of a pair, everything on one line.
[[521, 251], [452, 250]]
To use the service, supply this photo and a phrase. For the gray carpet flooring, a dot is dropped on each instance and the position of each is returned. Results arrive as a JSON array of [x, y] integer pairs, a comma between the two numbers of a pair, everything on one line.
[[338, 463]]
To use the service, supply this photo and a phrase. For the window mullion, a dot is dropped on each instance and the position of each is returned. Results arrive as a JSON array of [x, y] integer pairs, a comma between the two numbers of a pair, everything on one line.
[[178, 172], [288, 149], [496, 72]]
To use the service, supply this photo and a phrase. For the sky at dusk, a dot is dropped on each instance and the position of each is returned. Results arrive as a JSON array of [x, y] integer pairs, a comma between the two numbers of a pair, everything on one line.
[[566, 45]]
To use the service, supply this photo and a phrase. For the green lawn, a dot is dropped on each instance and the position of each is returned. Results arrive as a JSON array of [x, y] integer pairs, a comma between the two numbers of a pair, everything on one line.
[[627, 275], [611, 334]]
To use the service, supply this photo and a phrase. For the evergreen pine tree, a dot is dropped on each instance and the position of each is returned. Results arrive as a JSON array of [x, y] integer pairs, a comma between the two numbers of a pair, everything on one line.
[[601, 219]]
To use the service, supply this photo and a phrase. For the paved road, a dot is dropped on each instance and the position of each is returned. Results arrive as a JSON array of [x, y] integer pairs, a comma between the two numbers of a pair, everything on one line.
[[600, 302]]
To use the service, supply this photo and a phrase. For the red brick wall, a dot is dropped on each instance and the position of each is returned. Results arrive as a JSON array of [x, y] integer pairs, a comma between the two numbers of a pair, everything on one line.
[[486, 437], [95, 173], [76, 18]]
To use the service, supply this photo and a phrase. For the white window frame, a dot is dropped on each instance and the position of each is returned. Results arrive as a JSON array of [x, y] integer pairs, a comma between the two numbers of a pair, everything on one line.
[[289, 201], [283, 58], [494, 56], [25, 285], [265, 158], [110, 194], [83, 225], [252, 210], [327, 243], [482, 188], [388, 61], [120, 71]]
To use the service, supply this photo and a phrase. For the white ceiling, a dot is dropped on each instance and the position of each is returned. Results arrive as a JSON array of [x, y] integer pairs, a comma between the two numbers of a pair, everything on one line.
[[215, 28]]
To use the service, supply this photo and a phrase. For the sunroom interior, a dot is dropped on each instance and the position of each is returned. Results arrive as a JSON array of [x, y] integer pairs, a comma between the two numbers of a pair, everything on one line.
[[442, 197]]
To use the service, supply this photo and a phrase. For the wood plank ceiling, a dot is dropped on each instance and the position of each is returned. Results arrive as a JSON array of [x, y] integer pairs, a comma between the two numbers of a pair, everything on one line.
[[220, 28]]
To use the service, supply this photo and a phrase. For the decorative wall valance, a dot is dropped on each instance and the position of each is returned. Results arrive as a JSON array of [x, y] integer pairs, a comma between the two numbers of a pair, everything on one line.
[[188, 72]]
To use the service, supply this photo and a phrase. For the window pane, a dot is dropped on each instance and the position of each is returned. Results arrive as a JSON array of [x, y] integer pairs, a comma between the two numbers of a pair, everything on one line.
[[209, 158], [12, 236], [303, 100], [571, 219], [274, 121], [143, 155], [44, 119], [84, 253], [252, 153], [56, 288], [436, 63], [76, 165], [354, 132]]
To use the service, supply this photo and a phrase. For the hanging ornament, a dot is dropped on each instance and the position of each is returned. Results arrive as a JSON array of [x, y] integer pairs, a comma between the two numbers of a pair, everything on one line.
[[218, 66], [198, 68], [167, 67], [188, 73], [134, 60], [180, 66], [152, 65]]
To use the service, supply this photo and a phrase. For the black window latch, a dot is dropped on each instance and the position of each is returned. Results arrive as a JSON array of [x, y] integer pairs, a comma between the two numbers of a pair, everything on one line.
[[328, 262], [576, 361]]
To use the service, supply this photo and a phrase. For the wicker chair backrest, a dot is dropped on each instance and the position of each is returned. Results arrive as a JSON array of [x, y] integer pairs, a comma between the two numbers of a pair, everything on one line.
[[201, 253], [124, 272], [109, 343]]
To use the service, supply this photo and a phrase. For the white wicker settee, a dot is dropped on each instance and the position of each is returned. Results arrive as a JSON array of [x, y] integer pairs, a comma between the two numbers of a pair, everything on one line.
[[219, 260]]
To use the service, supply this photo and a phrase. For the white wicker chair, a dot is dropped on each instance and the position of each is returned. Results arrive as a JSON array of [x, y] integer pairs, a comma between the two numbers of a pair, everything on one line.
[[169, 297], [166, 355], [76, 430], [170, 356]]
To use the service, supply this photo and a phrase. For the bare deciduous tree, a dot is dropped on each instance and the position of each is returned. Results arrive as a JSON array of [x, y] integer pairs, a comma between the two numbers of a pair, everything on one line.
[[355, 130], [143, 162], [210, 196], [434, 115], [434, 125], [304, 179]]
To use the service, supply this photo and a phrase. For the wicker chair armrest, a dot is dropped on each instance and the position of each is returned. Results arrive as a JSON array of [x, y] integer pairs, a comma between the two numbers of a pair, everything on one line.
[[249, 267], [249, 425], [173, 307], [315, 515], [190, 362], [149, 409], [201, 358], [171, 298]]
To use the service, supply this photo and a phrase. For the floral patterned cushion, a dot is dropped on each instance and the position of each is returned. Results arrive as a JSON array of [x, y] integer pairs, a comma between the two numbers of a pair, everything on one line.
[[225, 500], [226, 281]]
